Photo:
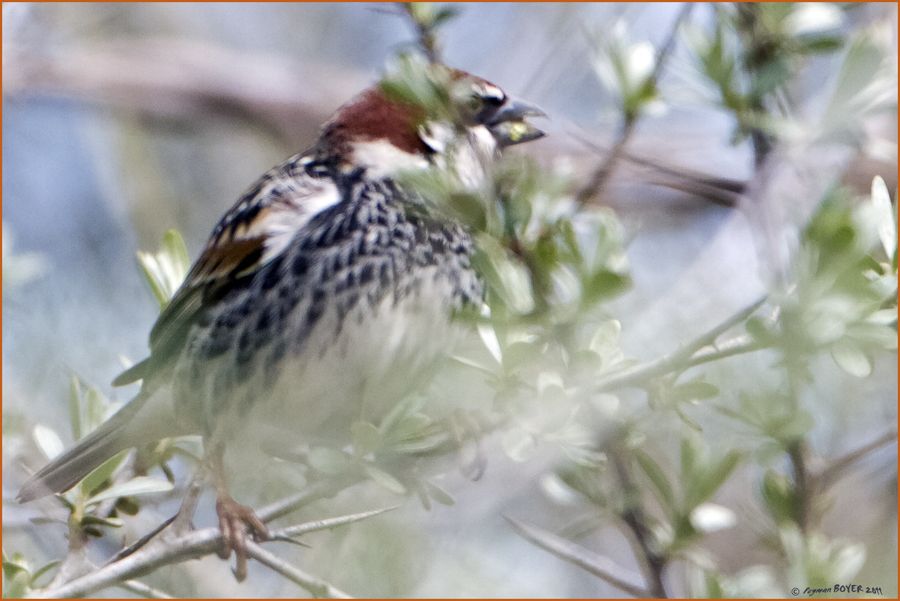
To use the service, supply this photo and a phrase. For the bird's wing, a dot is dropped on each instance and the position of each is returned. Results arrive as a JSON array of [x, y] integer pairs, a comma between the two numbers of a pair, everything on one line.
[[255, 230]]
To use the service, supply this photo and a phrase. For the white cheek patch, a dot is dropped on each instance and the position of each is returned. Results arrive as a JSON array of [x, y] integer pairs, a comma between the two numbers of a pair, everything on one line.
[[437, 136], [381, 158]]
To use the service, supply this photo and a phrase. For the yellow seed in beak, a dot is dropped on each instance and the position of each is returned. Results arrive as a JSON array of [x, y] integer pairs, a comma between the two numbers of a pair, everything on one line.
[[517, 131]]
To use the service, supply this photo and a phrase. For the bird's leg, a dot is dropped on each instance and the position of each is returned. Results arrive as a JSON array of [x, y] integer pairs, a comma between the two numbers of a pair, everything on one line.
[[183, 520], [235, 520]]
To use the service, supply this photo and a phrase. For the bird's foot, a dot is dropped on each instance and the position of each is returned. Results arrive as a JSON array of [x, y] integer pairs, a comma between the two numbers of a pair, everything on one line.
[[236, 521]]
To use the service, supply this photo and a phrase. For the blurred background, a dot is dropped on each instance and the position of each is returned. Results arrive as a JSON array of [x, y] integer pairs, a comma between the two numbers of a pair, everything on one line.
[[121, 121]]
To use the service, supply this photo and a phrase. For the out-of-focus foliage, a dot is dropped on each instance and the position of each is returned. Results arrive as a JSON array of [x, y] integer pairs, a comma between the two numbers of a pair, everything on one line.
[[655, 446]]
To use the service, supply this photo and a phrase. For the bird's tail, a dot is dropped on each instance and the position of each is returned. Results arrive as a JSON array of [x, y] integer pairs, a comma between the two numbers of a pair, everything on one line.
[[119, 432]]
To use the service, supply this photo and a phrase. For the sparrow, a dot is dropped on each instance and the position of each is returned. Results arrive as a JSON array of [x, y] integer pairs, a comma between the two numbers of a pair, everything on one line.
[[322, 296]]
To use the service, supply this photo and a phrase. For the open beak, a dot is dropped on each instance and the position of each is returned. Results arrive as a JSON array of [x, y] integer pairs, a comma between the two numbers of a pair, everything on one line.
[[508, 124]]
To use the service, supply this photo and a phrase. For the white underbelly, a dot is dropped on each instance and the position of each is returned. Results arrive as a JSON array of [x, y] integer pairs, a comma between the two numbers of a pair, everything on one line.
[[378, 358]]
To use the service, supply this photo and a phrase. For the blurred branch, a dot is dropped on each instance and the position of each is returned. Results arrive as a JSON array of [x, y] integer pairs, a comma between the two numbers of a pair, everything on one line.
[[690, 354], [601, 175], [758, 49], [635, 519], [175, 79], [720, 190], [417, 13], [168, 550], [314, 586], [834, 468], [595, 564], [328, 523], [147, 592], [315, 491], [803, 485]]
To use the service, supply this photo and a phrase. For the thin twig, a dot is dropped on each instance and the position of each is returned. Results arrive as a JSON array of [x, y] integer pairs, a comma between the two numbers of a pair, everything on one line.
[[142, 541], [635, 519], [328, 523], [166, 551], [803, 484], [833, 470], [602, 174], [591, 562], [139, 588], [688, 355], [720, 190], [315, 491], [424, 33], [314, 586]]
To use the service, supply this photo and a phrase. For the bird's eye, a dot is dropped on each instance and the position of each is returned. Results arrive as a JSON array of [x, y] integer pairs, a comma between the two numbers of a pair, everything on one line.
[[492, 101], [475, 102]]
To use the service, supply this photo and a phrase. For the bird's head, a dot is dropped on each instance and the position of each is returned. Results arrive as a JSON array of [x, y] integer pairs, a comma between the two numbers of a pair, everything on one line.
[[385, 135]]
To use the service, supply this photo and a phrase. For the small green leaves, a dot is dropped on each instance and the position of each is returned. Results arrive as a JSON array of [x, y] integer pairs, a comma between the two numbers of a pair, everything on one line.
[[430, 14], [366, 438], [329, 461], [819, 561], [413, 80], [48, 441], [438, 494], [75, 411], [701, 473], [139, 485], [18, 579], [626, 69], [885, 217], [102, 473], [165, 270], [780, 497], [384, 479], [851, 358], [657, 479]]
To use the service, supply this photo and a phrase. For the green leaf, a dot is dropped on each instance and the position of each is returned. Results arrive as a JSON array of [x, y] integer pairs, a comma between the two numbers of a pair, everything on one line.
[[851, 358], [96, 406], [657, 478], [439, 494], [95, 520], [820, 44], [605, 284], [445, 13], [140, 485], [714, 589], [48, 441], [17, 586], [884, 214], [366, 438], [43, 570], [101, 473], [520, 353], [689, 453], [759, 330], [13, 565], [385, 480], [713, 477], [693, 390], [882, 336], [75, 410], [884, 317], [165, 270], [328, 461], [519, 444], [779, 497]]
